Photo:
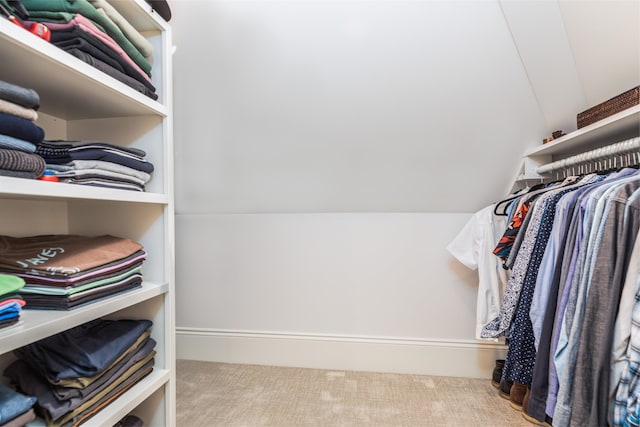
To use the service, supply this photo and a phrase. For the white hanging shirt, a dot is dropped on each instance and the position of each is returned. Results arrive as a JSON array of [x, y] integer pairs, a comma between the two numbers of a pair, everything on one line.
[[473, 247]]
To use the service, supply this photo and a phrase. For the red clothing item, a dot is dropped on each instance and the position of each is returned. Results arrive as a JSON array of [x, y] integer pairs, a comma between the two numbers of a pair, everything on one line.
[[503, 248]]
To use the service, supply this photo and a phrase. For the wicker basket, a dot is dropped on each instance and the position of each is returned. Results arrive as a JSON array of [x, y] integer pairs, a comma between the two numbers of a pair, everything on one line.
[[614, 105]]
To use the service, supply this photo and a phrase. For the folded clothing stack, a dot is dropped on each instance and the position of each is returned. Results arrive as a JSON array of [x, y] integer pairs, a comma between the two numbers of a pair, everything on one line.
[[78, 372], [16, 409], [97, 164], [19, 134], [96, 33], [11, 302], [65, 271]]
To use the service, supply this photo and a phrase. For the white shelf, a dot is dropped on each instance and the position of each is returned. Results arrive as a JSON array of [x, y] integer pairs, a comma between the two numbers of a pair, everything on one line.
[[615, 128], [37, 324], [124, 404], [74, 89], [34, 189], [79, 102]]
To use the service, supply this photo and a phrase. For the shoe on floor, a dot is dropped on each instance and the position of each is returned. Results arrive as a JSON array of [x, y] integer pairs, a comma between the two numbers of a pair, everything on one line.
[[497, 373], [516, 395], [505, 389]]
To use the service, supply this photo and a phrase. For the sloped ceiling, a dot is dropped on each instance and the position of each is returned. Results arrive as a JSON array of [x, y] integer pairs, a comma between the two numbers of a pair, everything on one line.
[[381, 106], [605, 40], [576, 53]]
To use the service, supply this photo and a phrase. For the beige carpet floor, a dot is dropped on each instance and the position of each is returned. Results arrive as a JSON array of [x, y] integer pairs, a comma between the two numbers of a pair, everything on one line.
[[219, 394]]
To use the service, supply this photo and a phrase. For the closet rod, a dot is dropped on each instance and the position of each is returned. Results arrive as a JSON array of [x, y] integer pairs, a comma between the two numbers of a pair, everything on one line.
[[609, 152]]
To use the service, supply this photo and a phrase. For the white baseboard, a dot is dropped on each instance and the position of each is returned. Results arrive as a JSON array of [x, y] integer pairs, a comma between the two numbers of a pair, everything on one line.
[[458, 358]]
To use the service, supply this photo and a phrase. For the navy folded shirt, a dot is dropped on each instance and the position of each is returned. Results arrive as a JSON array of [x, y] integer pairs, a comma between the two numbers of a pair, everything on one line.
[[85, 350], [20, 128]]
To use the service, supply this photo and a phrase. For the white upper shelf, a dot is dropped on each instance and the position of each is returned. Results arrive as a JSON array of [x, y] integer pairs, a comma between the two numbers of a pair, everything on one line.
[[69, 88], [615, 128], [19, 188]]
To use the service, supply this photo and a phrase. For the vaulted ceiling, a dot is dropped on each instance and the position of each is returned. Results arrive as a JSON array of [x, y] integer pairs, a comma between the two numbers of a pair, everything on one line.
[[382, 106]]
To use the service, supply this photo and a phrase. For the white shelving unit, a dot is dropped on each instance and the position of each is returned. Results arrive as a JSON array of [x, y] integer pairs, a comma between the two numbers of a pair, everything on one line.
[[612, 129], [80, 102]]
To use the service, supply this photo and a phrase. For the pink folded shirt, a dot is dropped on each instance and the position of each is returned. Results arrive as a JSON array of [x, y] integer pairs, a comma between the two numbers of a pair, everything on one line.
[[86, 25], [12, 300]]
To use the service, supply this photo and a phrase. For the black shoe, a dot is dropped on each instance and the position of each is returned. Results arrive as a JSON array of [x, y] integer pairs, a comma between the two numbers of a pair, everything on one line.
[[505, 389], [497, 373]]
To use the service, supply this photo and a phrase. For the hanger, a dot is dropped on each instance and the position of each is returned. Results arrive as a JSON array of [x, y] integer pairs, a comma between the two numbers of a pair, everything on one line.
[[506, 201]]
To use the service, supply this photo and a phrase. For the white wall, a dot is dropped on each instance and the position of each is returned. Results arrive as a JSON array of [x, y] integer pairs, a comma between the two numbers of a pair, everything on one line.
[[326, 153], [347, 106], [365, 291], [352, 274]]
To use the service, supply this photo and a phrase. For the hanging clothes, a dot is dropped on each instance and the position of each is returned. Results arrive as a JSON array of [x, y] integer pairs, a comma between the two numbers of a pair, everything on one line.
[[529, 228], [623, 352], [472, 247], [596, 232], [546, 295], [570, 302], [521, 354]]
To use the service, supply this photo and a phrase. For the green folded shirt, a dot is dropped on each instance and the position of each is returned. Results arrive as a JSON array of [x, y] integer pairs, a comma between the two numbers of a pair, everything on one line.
[[10, 283], [70, 290]]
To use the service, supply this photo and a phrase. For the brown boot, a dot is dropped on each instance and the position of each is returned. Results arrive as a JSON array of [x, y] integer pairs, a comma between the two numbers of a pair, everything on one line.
[[516, 395]]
